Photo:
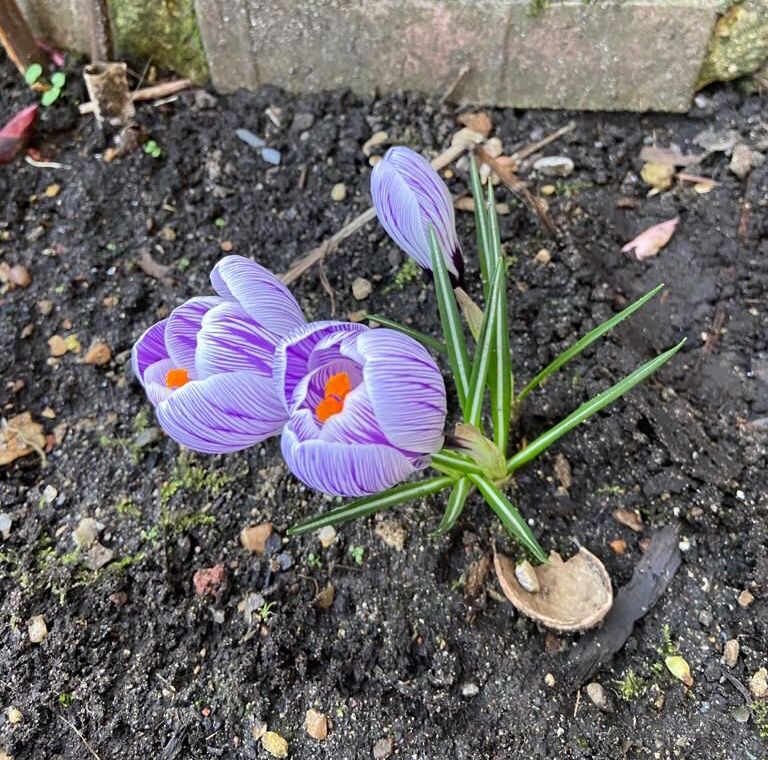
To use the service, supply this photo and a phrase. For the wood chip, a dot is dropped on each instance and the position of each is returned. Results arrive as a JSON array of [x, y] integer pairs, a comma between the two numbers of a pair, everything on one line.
[[254, 537], [630, 518], [19, 437], [563, 470], [317, 725], [477, 121], [99, 353]]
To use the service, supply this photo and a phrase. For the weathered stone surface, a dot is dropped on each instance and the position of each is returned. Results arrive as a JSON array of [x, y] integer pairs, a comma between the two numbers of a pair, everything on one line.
[[60, 22], [633, 54]]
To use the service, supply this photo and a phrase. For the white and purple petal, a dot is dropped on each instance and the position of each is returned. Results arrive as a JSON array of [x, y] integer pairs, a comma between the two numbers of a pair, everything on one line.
[[222, 413], [405, 388], [182, 327], [259, 292], [341, 469], [154, 381], [409, 196], [293, 355], [230, 341], [148, 349]]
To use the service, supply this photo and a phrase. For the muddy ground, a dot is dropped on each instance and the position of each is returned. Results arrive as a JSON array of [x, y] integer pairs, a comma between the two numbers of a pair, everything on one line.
[[137, 665]]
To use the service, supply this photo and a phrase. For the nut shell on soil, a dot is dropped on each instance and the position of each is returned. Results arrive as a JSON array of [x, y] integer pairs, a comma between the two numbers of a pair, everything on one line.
[[574, 595]]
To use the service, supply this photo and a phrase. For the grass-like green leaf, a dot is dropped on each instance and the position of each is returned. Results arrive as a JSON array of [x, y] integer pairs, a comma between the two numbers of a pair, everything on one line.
[[585, 411], [453, 331], [33, 73], [500, 379], [375, 503], [423, 338], [481, 228], [455, 506], [484, 350], [451, 462], [582, 343], [509, 516]]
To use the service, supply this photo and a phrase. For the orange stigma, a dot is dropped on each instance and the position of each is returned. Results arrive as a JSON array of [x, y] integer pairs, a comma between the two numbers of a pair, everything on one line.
[[176, 377], [336, 389]]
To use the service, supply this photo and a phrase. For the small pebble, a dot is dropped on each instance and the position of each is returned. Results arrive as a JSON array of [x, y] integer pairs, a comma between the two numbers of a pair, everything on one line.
[[469, 690], [14, 715], [255, 537], [87, 532], [745, 599], [37, 629], [45, 307], [250, 139], [618, 546], [339, 192], [302, 122], [19, 275], [361, 288], [168, 234], [317, 725], [630, 518], [274, 744], [705, 618], [554, 166], [758, 684], [548, 189], [549, 680], [527, 578], [543, 256], [207, 580], [741, 160], [57, 345], [99, 353], [382, 749], [327, 536], [325, 597], [598, 697], [392, 533], [5, 525], [731, 652], [271, 156], [684, 544], [741, 714]]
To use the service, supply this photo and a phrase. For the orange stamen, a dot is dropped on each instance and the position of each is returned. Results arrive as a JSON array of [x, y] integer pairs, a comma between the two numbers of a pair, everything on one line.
[[336, 389], [176, 377]]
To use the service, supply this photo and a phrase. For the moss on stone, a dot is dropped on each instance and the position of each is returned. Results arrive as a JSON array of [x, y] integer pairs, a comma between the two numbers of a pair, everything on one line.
[[739, 45], [163, 31]]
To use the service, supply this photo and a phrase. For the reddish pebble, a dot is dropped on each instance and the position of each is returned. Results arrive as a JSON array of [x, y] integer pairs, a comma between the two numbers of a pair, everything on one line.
[[208, 579]]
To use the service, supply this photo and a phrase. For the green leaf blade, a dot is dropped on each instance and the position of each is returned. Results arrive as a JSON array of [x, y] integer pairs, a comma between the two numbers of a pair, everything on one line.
[[591, 407], [510, 518], [453, 331], [423, 338], [455, 506], [370, 504], [481, 228], [451, 462], [586, 340]]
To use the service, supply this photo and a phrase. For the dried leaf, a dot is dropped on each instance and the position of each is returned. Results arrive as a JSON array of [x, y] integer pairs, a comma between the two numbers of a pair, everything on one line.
[[679, 668], [20, 436], [477, 122], [376, 139], [573, 595], [671, 156], [151, 267], [649, 242], [630, 519], [15, 133]]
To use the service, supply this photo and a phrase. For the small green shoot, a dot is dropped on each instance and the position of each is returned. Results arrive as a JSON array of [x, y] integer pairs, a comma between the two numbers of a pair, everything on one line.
[[357, 553], [66, 699], [265, 611], [33, 73], [151, 148], [220, 223], [632, 686], [313, 561]]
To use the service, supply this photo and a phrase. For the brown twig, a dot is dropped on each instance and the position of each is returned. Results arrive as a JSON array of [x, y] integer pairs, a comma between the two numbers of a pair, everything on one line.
[[713, 336], [745, 212], [79, 733], [455, 82], [327, 288], [318, 254], [16, 37], [517, 186], [530, 149], [148, 93]]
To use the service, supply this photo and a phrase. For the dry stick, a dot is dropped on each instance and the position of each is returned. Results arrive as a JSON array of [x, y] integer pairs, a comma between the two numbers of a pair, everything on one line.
[[16, 37], [517, 186], [326, 247], [533, 147], [148, 93], [79, 733], [457, 80], [101, 33]]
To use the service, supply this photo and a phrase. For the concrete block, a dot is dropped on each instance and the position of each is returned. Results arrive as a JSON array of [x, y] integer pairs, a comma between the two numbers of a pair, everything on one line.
[[626, 54], [60, 22]]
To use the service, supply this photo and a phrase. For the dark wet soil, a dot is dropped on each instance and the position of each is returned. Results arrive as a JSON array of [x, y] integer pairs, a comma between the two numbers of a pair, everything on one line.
[[137, 665]]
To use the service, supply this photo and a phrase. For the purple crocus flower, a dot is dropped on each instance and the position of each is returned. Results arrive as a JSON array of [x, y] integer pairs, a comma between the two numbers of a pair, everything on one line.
[[359, 409], [207, 368], [409, 196], [366, 407]]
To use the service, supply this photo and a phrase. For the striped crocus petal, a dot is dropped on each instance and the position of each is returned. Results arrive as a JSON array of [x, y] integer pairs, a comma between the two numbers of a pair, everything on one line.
[[149, 349], [409, 196], [340, 469], [230, 341], [406, 389], [182, 327], [263, 297], [222, 413]]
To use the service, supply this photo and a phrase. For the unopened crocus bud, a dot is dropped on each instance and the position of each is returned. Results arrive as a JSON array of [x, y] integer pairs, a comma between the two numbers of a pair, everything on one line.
[[14, 135], [409, 197]]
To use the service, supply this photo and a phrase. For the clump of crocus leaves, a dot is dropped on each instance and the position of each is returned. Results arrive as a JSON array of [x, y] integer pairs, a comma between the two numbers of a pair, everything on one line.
[[360, 410]]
